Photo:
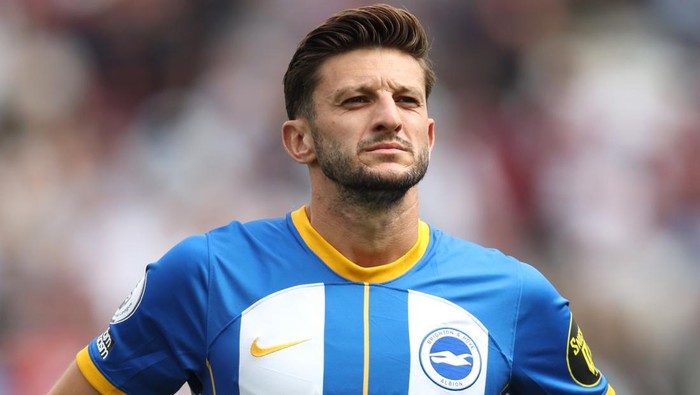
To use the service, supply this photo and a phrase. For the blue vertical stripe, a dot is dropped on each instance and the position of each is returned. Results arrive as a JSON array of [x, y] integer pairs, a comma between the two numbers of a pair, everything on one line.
[[220, 360], [236, 345], [388, 339], [343, 339]]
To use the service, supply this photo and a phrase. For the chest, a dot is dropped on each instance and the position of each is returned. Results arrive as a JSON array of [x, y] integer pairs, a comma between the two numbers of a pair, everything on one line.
[[355, 338]]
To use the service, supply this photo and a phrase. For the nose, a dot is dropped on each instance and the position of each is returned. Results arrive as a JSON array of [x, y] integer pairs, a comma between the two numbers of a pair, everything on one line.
[[387, 117]]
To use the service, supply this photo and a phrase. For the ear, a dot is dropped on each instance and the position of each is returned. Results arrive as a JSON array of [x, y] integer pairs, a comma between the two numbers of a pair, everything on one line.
[[297, 140], [431, 133]]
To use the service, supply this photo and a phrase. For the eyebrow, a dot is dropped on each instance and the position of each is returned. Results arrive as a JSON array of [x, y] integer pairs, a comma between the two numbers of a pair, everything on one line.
[[366, 89], [341, 93]]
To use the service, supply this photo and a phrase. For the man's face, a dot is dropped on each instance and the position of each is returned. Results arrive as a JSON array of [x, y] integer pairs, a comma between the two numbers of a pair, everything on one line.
[[371, 130]]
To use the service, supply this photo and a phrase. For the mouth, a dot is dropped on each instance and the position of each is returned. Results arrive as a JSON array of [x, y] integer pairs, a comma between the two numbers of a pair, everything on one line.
[[388, 147]]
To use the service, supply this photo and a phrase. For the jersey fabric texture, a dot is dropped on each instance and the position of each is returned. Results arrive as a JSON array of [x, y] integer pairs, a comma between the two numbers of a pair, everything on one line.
[[270, 307]]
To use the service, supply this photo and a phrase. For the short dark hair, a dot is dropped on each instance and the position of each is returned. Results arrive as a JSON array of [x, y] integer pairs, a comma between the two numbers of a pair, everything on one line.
[[365, 27]]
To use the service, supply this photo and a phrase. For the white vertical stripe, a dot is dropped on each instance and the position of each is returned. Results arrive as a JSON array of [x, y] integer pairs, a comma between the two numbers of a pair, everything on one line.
[[286, 316], [427, 313]]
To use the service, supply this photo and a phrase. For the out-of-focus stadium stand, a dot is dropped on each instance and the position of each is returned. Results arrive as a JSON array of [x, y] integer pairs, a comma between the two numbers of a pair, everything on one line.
[[568, 135]]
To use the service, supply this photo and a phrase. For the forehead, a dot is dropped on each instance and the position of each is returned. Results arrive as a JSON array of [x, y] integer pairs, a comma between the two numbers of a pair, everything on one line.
[[379, 68]]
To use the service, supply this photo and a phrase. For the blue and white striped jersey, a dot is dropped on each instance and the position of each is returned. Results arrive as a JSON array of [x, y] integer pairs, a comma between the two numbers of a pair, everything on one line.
[[270, 307]]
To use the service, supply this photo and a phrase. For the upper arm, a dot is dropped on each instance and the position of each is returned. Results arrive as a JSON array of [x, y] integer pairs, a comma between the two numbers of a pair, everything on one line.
[[157, 339], [550, 353], [72, 382]]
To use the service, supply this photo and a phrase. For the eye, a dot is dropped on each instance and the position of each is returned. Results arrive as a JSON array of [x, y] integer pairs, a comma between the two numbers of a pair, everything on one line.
[[356, 100], [407, 100]]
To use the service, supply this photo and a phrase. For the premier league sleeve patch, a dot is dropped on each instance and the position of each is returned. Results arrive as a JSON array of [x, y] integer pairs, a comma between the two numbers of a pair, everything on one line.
[[129, 305], [580, 359]]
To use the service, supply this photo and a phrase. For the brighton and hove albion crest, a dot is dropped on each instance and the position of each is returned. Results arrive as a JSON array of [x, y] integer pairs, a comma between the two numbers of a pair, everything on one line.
[[450, 358]]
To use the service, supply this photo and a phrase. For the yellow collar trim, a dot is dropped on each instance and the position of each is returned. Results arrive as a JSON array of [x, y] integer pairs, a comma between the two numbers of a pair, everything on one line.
[[350, 270]]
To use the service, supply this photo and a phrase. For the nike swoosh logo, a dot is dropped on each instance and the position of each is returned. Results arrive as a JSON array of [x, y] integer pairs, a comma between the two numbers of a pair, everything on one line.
[[257, 351]]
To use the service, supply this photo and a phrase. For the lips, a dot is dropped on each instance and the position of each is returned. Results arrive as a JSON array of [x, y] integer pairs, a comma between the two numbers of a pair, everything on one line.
[[386, 146]]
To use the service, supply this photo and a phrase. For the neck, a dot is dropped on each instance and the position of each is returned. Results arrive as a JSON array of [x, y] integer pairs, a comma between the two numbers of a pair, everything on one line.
[[367, 234]]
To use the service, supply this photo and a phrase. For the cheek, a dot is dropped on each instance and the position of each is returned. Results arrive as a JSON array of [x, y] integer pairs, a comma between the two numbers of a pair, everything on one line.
[[341, 134], [344, 130], [422, 135]]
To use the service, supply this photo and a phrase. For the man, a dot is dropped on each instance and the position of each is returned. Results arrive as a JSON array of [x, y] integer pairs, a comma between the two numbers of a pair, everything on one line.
[[352, 293]]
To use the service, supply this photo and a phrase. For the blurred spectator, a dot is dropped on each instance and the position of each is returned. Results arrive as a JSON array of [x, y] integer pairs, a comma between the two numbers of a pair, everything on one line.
[[569, 133]]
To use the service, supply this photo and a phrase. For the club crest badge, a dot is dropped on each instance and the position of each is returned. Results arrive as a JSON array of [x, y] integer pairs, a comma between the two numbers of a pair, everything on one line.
[[450, 358], [130, 304]]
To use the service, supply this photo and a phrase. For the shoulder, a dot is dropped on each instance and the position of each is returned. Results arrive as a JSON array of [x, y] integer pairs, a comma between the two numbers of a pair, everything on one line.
[[191, 257], [445, 243], [183, 267], [198, 248], [460, 255], [474, 256], [242, 246], [191, 249], [237, 233]]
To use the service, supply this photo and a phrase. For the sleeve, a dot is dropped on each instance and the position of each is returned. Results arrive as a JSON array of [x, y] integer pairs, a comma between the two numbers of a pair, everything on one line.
[[157, 338], [550, 353]]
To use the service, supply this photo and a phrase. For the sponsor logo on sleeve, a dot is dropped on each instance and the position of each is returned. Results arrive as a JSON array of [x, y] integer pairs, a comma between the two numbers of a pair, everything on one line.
[[104, 344], [450, 358], [579, 358], [129, 305]]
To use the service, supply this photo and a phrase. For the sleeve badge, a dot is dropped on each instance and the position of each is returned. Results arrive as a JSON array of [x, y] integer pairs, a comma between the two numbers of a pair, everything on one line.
[[579, 358]]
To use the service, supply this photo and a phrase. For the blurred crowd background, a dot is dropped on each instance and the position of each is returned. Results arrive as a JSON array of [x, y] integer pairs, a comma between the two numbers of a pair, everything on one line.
[[568, 135]]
